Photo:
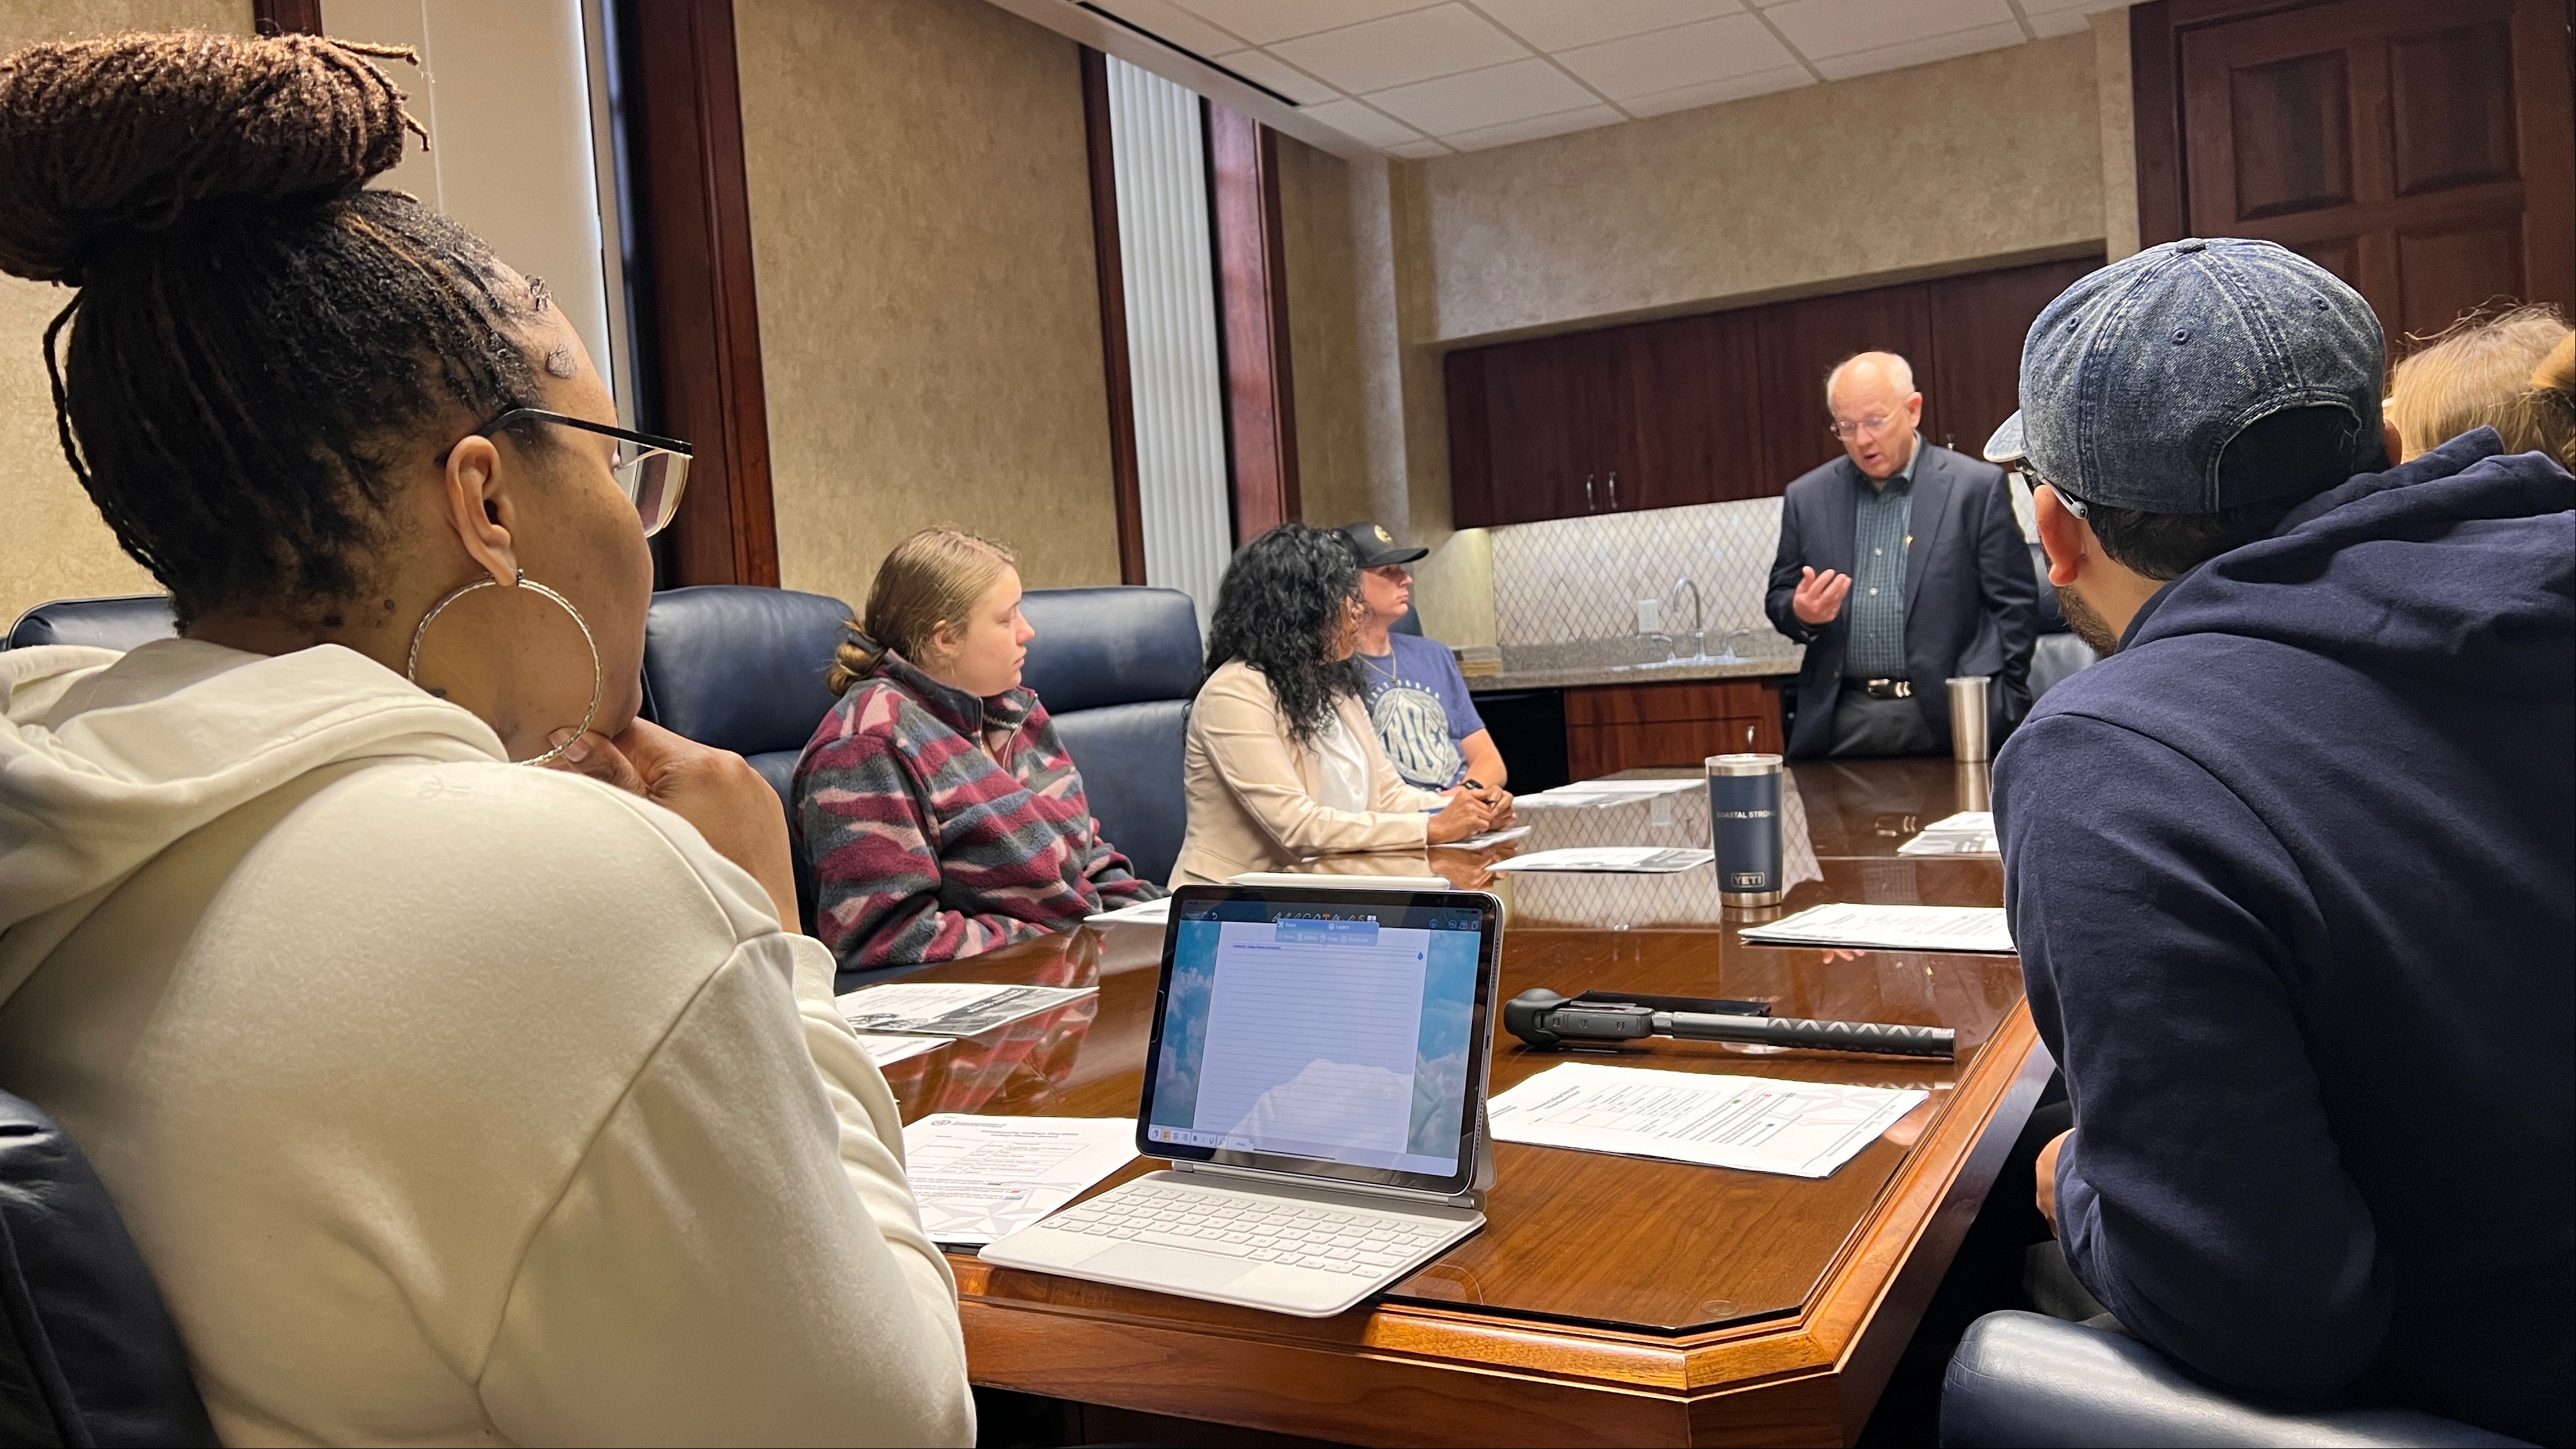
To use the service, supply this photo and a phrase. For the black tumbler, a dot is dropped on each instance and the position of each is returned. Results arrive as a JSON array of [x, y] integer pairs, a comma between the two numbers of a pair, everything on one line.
[[1744, 826]]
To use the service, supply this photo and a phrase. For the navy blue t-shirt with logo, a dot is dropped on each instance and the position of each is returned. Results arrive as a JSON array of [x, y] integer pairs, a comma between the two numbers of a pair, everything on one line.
[[1419, 703]]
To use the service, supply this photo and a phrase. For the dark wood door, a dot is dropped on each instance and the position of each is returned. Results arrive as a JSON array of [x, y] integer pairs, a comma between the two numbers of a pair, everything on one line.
[[1978, 324], [2425, 153], [1797, 343], [1695, 418]]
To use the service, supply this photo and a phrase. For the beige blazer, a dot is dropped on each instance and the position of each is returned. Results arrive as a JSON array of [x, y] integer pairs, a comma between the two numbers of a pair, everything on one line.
[[1252, 793]]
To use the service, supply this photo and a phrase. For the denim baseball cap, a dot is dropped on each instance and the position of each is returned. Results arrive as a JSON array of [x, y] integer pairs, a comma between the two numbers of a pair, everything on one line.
[[2135, 380]]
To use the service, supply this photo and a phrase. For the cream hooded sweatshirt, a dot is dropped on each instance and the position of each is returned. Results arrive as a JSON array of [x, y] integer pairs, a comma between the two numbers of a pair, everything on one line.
[[450, 1101]]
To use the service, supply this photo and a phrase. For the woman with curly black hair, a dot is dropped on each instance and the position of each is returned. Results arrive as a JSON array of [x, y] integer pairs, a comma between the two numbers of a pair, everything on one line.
[[448, 1099], [1282, 763]]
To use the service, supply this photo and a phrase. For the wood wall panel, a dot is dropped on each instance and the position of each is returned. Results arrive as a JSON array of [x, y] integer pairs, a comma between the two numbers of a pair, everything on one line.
[[1979, 323], [1698, 431], [701, 378], [2451, 102], [1113, 316], [2287, 127], [1252, 331]]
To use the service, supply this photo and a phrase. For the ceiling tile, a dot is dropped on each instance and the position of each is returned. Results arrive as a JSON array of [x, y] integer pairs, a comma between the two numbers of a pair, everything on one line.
[[1263, 21], [1917, 52], [2036, 8], [1554, 25], [1582, 119], [1361, 124], [1735, 88], [1167, 21], [1711, 50], [1262, 67], [2056, 22], [1420, 151], [1440, 41], [1820, 28], [1481, 98]]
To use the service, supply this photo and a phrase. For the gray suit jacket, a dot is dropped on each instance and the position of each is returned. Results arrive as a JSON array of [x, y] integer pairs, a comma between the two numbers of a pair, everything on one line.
[[1970, 595]]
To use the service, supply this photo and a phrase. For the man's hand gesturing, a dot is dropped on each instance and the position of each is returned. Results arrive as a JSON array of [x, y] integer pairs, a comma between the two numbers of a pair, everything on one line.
[[1819, 598]]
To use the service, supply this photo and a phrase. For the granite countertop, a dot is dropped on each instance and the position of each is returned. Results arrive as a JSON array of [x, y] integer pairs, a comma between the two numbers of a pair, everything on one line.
[[1625, 661]]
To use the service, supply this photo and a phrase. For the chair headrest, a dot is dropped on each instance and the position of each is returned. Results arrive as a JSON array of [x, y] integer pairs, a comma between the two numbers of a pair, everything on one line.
[[1411, 623], [121, 622], [741, 667], [1114, 645]]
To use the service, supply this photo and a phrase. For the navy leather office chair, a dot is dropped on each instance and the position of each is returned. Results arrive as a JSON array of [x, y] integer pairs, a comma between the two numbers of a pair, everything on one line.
[[741, 668], [1117, 668], [2056, 653], [2026, 1379], [117, 623], [88, 1354]]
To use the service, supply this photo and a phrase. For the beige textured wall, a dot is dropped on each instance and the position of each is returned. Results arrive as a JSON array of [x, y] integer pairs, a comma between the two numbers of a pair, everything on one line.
[[929, 307], [2119, 133], [55, 546], [1947, 164]]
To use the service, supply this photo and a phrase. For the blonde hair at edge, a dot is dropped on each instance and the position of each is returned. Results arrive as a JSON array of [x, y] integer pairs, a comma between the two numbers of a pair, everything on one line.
[[929, 580], [2514, 372]]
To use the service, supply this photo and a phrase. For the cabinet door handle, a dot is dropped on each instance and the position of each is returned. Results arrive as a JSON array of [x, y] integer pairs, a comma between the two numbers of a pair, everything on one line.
[[1614, 492], [1587, 493]]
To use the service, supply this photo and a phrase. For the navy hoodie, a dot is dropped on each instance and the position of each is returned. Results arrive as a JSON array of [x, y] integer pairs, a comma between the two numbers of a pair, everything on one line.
[[2293, 876]]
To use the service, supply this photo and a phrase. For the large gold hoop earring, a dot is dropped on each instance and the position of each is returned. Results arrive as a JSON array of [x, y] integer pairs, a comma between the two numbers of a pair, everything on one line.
[[598, 676]]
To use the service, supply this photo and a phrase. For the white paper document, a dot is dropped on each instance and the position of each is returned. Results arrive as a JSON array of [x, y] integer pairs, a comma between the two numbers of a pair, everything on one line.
[[945, 1008], [886, 1050], [1970, 832], [1156, 912], [1890, 928], [1759, 1124], [981, 1178], [1616, 859], [1589, 794]]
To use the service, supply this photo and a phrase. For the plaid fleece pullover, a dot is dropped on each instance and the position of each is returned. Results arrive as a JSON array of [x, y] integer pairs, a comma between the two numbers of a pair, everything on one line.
[[941, 825]]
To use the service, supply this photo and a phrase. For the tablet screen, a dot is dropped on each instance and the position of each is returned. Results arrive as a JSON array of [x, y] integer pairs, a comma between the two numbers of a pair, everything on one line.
[[1329, 1033]]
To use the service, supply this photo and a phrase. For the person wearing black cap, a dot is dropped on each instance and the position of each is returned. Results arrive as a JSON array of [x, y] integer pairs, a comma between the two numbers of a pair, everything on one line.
[[2291, 870], [1417, 698]]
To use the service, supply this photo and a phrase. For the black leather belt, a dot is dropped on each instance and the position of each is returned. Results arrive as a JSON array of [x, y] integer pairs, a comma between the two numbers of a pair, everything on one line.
[[1882, 688]]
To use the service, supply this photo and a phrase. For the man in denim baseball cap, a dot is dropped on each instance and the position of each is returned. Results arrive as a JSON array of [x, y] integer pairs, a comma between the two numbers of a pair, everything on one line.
[[2292, 871]]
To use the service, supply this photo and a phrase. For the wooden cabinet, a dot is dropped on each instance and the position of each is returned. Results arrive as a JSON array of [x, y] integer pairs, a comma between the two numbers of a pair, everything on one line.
[[1609, 728], [2424, 153], [1723, 405]]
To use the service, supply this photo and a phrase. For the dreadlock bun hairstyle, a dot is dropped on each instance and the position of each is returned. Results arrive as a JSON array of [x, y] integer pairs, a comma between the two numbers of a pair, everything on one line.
[[257, 344]]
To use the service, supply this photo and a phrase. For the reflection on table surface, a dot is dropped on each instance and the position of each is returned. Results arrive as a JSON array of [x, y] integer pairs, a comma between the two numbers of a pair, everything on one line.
[[1651, 1246]]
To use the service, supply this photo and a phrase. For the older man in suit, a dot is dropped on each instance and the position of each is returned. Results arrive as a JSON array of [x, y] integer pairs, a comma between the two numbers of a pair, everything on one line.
[[1900, 567]]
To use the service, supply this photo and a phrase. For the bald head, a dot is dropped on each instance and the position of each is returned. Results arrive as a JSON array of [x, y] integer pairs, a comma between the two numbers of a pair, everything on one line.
[[1875, 411], [1869, 377]]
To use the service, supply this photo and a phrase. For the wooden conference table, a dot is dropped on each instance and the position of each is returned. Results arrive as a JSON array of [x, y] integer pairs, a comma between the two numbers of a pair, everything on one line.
[[1609, 1300]]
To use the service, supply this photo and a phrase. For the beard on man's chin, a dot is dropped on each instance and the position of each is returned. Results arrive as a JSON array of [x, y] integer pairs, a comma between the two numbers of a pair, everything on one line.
[[2089, 626]]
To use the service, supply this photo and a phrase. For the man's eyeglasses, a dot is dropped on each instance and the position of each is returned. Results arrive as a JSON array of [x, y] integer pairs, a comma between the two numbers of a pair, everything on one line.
[[650, 470], [1872, 426], [2035, 482]]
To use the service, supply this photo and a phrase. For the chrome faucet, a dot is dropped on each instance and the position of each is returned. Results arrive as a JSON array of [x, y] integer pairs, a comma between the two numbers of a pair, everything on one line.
[[1699, 620]]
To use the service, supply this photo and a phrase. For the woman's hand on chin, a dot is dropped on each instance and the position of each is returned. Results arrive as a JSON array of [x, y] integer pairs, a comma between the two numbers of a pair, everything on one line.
[[715, 790]]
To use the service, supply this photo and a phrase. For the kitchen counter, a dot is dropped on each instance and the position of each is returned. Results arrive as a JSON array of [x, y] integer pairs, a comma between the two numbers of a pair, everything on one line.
[[1544, 673]]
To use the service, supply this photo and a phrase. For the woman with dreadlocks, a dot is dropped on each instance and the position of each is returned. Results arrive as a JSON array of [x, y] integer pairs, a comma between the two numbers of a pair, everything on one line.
[[447, 1099], [1281, 762]]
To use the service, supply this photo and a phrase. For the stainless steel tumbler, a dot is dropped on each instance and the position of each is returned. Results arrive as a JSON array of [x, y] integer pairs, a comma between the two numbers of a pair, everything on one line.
[[1744, 827], [1968, 719]]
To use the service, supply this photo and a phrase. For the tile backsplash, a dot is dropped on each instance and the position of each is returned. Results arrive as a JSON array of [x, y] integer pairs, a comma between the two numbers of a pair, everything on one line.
[[1576, 579]]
